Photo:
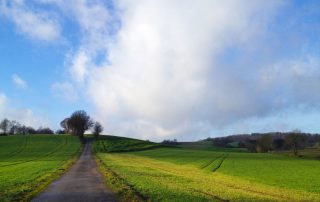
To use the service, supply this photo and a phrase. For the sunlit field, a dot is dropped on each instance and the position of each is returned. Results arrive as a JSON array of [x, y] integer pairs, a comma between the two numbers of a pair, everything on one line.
[[28, 163], [184, 174]]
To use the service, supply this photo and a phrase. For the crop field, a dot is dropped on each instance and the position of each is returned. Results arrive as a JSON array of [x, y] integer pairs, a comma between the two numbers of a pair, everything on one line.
[[119, 144], [28, 163], [184, 174]]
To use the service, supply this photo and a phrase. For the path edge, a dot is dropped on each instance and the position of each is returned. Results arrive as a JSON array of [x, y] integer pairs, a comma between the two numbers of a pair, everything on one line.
[[123, 190], [49, 178]]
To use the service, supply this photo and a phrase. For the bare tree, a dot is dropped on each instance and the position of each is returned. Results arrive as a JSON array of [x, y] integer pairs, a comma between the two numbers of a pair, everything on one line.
[[97, 129], [264, 143], [14, 127], [295, 140], [45, 131], [30, 130], [65, 125], [79, 122], [4, 126]]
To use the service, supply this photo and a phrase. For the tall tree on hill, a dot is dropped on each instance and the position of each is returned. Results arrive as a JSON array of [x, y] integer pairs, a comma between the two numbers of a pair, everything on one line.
[[97, 129], [79, 122]]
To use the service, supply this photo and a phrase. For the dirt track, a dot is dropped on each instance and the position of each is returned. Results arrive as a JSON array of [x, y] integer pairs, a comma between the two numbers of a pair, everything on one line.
[[82, 182]]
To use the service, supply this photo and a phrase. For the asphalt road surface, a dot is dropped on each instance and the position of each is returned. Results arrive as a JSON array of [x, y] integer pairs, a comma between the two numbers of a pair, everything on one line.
[[81, 183]]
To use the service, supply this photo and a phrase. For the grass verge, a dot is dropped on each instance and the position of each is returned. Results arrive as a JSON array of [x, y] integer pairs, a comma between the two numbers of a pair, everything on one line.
[[119, 186]]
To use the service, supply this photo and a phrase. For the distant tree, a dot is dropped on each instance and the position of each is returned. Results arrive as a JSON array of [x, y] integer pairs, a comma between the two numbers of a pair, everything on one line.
[[222, 141], [23, 130], [170, 142], [65, 125], [44, 131], [295, 140], [264, 143], [14, 127], [60, 132], [97, 129], [79, 122], [278, 143], [4, 126], [30, 130]]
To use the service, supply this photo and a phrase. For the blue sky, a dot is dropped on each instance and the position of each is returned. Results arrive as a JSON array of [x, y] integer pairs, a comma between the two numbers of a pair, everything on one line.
[[158, 70]]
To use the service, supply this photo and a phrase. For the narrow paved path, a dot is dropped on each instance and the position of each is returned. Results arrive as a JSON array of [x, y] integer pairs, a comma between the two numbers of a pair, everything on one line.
[[82, 182]]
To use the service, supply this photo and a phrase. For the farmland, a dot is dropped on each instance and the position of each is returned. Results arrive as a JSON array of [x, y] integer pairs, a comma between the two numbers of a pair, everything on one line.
[[197, 174], [30, 162]]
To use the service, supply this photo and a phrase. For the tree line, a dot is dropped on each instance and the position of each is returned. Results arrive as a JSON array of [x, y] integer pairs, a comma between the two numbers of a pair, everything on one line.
[[77, 124], [273, 141], [8, 127]]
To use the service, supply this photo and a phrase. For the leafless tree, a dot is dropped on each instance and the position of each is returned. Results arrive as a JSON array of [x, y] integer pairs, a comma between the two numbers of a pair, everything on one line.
[[79, 122], [97, 129], [65, 125], [5, 126], [296, 140]]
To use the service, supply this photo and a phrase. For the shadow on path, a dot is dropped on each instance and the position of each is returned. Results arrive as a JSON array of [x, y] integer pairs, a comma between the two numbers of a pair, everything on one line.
[[82, 182]]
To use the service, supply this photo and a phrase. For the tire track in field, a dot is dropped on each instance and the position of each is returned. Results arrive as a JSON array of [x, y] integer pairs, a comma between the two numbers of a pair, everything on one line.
[[221, 162], [210, 162], [42, 156], [20, 149], [152, 165], [247, 190], [155, 166]]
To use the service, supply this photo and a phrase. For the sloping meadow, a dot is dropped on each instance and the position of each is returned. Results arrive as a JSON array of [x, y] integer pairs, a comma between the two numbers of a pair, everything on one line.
[[181, 174], [29, 163]]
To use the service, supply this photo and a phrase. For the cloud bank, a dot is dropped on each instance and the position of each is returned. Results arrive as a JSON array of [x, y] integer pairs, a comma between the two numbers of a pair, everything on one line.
[[164, 69], [160, 69], [163, 77]]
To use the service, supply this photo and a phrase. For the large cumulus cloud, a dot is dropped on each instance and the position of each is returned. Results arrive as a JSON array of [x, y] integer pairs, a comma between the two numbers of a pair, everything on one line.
[[187, 69]]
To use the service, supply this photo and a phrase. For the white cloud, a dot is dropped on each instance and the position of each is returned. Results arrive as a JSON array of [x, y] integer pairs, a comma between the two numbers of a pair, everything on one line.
[[293, 81], [79, 66], [65, 91], [22, 115], [35, 24], [164, 78], [158, 69], [19, 82], [3, 100]]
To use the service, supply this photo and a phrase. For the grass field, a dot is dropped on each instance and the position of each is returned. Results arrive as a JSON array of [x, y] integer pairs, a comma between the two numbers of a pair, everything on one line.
[[190, 174], [119, 144], [28, 163]]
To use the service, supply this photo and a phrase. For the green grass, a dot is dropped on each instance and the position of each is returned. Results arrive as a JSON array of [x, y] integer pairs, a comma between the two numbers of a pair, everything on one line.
[[29, 163], [183, 174], [208, 145], [119, 144]]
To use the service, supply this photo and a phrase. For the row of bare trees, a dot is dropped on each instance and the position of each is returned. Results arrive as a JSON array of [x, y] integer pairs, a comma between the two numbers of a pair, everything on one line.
[[8, 127], [264, 142], [79, 122]]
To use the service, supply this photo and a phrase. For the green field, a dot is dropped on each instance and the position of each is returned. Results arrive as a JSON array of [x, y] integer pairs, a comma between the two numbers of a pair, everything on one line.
[[28, 163], [118, 144], [191, 174]]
